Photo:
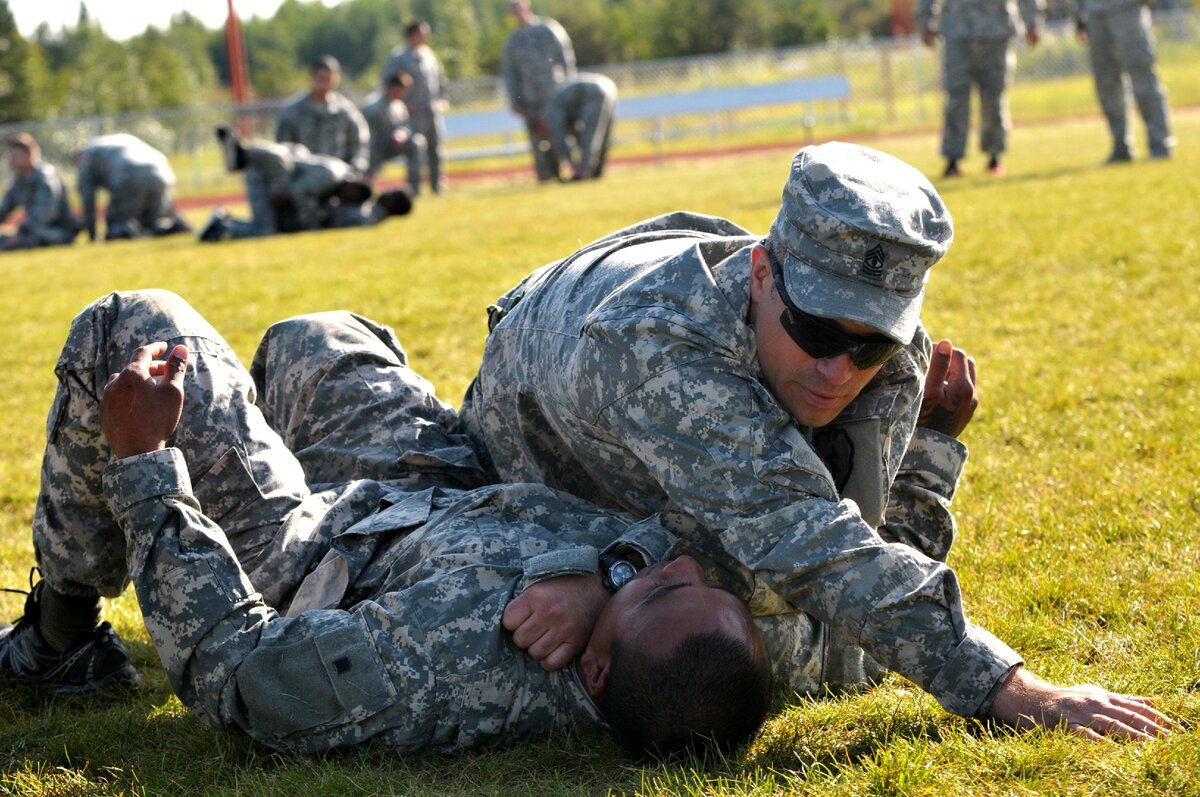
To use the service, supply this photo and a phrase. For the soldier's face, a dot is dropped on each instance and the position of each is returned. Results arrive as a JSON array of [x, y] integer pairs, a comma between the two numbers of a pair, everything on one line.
[[813, 391], [20, 160], [324, 81], [665, 604]]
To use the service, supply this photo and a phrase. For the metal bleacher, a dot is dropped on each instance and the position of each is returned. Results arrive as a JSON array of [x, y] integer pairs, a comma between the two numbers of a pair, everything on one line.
[[654, 109]]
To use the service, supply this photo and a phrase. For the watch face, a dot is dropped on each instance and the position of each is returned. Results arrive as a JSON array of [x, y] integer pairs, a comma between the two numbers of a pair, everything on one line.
[[620, 573]]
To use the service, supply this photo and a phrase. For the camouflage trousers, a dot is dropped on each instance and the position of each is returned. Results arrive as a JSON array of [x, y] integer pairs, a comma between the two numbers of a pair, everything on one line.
[[431, 126], [988, 64], [1122, 50], [140, 205], [282, 457]]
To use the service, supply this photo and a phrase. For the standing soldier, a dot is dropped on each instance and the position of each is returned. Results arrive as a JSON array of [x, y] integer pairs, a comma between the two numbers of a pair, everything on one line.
[[426, 98], [38, 190], [1120, 38], [979, 48], [325, 121], [140, 185], [580, 114], [537, 57], [391, 132]]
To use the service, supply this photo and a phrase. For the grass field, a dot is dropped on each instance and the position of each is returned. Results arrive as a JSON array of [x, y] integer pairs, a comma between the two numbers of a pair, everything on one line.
[[1073, 285]]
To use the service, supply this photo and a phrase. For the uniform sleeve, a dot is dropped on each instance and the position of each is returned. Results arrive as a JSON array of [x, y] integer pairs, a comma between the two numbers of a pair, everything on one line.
[[726, 455], [309, 683], [510, 68], [358, 140], [41, 210], [8, 203], [565, 55], [928, 14], [1033, 13], [918, 512], [285, 126]]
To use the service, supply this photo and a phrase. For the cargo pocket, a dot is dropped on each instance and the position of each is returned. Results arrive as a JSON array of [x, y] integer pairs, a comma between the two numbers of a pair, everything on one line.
[[333, 678]]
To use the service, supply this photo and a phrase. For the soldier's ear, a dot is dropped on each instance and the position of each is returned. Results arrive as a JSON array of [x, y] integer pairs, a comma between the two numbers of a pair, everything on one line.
[[762, 281], [594, 669]]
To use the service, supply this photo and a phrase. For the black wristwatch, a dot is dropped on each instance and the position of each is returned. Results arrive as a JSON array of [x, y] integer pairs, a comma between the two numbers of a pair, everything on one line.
[[616, 572]]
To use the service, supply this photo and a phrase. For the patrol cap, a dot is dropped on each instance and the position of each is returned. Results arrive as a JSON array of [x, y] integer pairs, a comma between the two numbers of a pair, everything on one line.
[[857, 234]]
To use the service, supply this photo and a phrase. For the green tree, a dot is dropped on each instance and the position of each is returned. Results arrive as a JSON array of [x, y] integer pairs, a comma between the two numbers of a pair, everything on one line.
[[17, 98]]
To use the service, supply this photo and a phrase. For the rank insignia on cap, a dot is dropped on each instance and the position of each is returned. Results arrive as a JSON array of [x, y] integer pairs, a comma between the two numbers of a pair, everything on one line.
[[873, 262]]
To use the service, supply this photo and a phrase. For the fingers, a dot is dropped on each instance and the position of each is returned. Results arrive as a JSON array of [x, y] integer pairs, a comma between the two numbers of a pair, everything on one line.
[[516, 613], [939, 364], [560, 657], [176, 365]]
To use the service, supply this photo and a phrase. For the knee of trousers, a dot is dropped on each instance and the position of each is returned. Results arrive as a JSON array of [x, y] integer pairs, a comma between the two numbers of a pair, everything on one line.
[[311, 343], [105, 334]]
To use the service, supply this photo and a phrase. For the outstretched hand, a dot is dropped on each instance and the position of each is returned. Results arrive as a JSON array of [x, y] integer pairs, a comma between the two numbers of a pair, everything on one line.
[[1026, 701], [552, 620], [950, 397], [141, 406]]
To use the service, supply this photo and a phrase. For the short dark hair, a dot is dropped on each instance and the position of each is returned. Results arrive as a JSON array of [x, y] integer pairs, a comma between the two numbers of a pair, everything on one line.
[[399, 78], [708, 695], [414, 27], [23, 141], [326, 62], [397, 202]]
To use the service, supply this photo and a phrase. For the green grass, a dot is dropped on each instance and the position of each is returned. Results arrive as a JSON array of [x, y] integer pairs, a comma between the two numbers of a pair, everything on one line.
[[1074, 287]]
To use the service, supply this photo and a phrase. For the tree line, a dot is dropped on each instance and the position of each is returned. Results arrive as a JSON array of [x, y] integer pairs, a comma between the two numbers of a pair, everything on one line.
[[80, 71]]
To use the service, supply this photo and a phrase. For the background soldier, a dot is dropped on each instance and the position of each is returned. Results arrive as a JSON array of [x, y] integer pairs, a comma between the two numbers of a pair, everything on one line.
[[579, 115], [1120, 38], [37, 189], [140, 185], [325, 121], [537, 57], [426, 99], [978, 41], [391, 133]]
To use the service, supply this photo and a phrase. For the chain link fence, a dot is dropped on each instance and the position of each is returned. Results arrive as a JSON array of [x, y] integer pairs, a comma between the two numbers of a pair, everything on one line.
[[894, 87]]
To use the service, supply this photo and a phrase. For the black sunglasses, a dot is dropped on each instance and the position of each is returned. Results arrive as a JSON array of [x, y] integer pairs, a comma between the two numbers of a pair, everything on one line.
[[821, 339]]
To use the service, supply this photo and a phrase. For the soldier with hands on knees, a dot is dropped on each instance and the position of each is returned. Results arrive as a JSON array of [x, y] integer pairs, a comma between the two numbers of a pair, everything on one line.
[[140, 185]]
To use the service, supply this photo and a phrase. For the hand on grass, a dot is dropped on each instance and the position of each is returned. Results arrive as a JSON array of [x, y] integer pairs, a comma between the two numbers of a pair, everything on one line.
[[552, 620], [950, 397], [1026, 701], [141, 406]]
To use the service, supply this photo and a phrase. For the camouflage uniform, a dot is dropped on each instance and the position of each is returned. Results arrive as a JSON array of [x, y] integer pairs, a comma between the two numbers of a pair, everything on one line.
[[978, 37], [628, 375], [332, 127], [291, 172], [140, 183], [424, 100], [581, 111], [536, 58], [384, 117], [1121, 42], [319, 598], [48, 220]]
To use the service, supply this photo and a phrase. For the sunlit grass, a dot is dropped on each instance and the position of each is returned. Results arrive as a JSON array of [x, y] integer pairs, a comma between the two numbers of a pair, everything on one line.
[[1074, 287]]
